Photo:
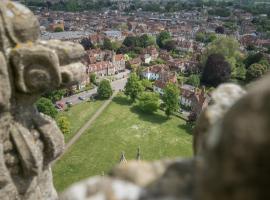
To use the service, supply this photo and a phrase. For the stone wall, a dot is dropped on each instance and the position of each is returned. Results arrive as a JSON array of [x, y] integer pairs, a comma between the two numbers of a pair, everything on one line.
[[231, 139]]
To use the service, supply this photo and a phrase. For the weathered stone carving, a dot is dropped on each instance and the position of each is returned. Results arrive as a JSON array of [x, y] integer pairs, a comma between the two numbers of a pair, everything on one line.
[[30, 141]]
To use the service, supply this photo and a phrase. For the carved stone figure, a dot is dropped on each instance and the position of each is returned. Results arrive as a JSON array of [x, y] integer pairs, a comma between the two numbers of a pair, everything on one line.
[[29, 141]]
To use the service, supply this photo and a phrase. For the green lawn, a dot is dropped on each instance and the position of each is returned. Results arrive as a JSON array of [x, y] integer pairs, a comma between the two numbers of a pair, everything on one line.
[[122, 127], [78, 115]]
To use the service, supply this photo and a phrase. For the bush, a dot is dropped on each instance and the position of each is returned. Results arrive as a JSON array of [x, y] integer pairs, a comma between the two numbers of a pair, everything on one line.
[[255, 71], [46, 106], [64, 125], [104, 89], [148, 102], [194, 80]]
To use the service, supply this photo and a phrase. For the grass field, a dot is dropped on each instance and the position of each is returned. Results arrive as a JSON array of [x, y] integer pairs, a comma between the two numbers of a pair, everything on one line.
[[79, 114], [122, 127]]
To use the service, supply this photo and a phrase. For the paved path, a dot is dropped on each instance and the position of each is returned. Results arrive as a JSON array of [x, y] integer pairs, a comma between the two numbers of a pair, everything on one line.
[[86, 125]]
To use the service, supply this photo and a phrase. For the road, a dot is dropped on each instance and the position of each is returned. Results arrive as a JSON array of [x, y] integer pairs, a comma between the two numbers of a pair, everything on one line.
[[74, 99]]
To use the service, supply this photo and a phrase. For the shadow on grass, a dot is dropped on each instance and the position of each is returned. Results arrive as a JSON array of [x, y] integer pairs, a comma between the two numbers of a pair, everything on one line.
[[153, 118], [122, 100], [187, 127]]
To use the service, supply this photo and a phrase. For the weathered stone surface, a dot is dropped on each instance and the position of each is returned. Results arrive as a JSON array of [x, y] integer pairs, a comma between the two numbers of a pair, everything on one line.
[[221, 101], [29, 141], [140, 172], [103, 188], [236, 164]]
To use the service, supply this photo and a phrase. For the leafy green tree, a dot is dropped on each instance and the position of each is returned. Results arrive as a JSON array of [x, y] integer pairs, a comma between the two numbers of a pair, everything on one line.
[[93, 78], [64, 125], [255, 71], [146, 83], [148, 102], [146, 40], [200, 37], [55, 95], [265, 63], [229, 48], [132, 41], [253, 58], [46, 106], [134, 87], [58, 29], [104, 89], [171, 99], [194, 80], [107, 44], [216, 70], [169, 45], [162, 37]]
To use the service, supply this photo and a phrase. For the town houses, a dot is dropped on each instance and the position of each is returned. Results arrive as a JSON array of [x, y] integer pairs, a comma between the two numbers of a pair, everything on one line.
[[105, 63], [190, 33]]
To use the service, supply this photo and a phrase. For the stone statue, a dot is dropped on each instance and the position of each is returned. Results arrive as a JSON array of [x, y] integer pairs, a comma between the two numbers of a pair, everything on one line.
[[30, 141]]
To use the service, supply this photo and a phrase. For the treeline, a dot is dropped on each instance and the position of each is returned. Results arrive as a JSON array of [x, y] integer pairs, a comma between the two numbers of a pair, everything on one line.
[[73, 5]]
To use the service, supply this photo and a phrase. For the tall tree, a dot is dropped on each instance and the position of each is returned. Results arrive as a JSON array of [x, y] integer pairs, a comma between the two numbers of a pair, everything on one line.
[[104, 89], [171, 99], [162, 37], [216, 70], [133, 87]]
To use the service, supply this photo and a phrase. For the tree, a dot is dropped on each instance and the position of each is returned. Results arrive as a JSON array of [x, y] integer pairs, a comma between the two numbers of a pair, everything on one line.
[[132, 41], [148, 102], [58, 29], [46, 106], [107, 44], [171, 99], [169, 45], [163, 36], [134, 87], [255, 71], [220, 30], [146, 41], [146, 83], [64, 124], [93, 78], [55, 95], [86, 43], [216, 70], [104, 89], [229, 48], [194, 80], [253, 58]]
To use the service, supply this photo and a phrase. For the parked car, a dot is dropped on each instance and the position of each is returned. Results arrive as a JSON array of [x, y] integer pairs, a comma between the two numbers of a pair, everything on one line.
[[59, 105], [82, 98], [69, 103]]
